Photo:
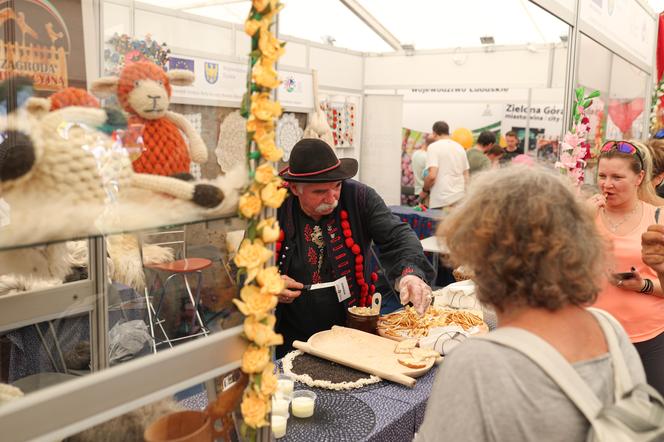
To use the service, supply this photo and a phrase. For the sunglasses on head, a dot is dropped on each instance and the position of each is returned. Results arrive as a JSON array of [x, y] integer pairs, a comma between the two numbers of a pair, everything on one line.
[[659, 135], [622, 147]]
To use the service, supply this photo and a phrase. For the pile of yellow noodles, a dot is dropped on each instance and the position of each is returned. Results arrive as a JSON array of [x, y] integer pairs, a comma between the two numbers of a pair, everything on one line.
[[407, 323]]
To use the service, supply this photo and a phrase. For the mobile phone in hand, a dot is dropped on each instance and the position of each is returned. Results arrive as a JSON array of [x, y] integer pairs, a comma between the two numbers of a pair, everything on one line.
[[624, 275]]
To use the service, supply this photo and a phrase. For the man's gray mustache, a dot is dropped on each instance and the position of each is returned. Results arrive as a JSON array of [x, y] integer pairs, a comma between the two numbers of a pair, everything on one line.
[[327, 207]]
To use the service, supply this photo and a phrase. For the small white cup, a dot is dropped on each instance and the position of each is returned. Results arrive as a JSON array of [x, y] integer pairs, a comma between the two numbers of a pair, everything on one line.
[[303, 403], [280, 403], [279, 424], [285, 383]]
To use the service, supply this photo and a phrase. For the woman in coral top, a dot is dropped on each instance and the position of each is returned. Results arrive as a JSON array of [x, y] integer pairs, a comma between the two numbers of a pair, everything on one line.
[[632, 292]]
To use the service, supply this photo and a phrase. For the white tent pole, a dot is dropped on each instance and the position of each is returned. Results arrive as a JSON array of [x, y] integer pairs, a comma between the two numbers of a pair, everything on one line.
[[204, 3], [533, 21], [374, 24]]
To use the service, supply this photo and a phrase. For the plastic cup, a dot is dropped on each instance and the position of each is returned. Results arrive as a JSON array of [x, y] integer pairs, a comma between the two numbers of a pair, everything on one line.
[[280, 403], [303, 403], [285, 383], [279, 424]]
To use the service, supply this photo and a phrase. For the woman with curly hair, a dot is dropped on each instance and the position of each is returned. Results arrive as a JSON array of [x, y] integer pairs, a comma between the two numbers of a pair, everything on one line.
[[538, 260], [656, 148], [632, 292]]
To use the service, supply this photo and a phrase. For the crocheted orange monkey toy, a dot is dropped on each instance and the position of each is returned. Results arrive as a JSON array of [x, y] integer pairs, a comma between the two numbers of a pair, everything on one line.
[[144, 91]]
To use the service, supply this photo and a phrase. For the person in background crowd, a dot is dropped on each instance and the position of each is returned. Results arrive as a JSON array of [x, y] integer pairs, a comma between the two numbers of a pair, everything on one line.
[[477, 158], [419, 162], [541, 258], [447, 167], [632, 291], [329, 223], [524, 159], [652, 253], [656, 146], [512, 148], [547, 148], [494, 155]]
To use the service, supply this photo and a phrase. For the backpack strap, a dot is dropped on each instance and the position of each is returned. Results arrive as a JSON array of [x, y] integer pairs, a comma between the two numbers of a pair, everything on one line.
[[552, 363], [643, 419], [622, 379], [624, 384]]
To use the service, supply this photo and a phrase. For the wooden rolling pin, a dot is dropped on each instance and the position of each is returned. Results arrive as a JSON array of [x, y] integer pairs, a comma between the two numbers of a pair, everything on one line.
[[394, 377]]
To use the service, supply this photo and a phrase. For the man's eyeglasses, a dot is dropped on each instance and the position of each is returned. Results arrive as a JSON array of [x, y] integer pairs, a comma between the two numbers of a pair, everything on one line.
[[622, 147]]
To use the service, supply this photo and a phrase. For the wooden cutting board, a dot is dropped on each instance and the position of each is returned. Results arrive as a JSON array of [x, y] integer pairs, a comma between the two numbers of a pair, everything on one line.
[[362, 351]]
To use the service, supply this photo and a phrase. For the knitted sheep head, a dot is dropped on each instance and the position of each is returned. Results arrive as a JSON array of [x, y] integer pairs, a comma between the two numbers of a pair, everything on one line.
[[69, 155], [143, 88], [72, 96], [17, 153]]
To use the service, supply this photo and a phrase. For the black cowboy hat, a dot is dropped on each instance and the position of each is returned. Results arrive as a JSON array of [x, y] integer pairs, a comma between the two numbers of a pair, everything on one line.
[[313, 161]]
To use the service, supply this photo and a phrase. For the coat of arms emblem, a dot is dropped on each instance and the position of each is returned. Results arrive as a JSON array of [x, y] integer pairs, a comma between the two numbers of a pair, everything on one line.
[[211, 72]]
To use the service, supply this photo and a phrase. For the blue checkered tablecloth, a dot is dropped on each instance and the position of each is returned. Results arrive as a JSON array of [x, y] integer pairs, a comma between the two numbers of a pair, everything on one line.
[[423, 223], [398, 410]]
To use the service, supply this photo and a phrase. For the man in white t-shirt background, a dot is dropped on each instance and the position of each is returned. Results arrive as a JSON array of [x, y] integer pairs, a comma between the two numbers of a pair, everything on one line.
[[419, 164], [447, 166]]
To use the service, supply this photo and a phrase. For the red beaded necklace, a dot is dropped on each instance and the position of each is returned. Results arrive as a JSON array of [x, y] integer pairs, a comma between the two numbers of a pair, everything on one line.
[[365, 289]]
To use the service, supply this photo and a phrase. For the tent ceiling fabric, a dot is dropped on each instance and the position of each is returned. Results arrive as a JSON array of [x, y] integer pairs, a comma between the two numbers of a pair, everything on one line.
[[313, 20], [656, 5], [316, 20], [435, 24], [426, 24]]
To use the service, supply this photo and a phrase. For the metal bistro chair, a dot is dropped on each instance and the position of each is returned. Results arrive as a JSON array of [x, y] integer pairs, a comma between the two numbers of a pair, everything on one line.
[[179, 268]]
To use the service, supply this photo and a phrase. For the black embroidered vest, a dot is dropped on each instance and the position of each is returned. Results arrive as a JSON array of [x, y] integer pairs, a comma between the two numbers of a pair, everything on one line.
[[346, 237]]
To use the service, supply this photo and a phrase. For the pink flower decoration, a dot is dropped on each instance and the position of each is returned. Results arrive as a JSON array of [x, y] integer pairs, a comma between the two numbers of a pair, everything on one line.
[[133, 57], [570, 139], [577, 175], [567, 160], [574, 149]]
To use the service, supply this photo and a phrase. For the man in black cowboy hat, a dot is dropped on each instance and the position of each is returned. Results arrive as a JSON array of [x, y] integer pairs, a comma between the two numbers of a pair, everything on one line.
[[328, 224]]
